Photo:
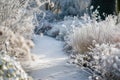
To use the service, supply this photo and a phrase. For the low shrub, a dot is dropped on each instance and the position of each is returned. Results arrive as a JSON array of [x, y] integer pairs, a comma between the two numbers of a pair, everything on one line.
[[15, 44], [10, 69]]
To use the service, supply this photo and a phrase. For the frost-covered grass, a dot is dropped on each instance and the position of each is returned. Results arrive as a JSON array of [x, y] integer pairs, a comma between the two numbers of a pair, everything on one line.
[[106, 31], [96, 47]]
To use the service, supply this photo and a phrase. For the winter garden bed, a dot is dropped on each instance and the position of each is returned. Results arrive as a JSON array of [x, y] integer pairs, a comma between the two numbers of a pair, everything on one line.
[[96, 46], [91, 44]]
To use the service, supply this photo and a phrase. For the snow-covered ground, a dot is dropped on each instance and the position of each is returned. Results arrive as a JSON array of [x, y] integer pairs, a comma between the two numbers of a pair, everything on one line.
[[52, 62]]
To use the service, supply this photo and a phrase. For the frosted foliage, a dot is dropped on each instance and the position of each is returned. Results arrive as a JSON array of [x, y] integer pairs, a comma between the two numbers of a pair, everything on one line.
[[15, 38], [62, 29], [106, 61], [11, 9], [14, 15], [103, 61], [11, 69], [24, 27], [15, 44], [96, 46], [102, 32]]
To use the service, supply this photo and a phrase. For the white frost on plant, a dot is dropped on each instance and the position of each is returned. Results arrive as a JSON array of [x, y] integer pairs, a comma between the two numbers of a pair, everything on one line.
[[102, 32], [10, 69], [61, 29], [107, 61], [100, 44]]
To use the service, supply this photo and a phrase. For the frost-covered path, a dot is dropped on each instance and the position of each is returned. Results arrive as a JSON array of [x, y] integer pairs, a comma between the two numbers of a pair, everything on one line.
[[51, 64]]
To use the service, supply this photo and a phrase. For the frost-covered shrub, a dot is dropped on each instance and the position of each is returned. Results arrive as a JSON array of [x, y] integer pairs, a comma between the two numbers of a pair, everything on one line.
[[61, 29], [103, 61], [43, 27], [102, 32], [15, 44], [24, 27], [106, 61], [11, 10], [57, 10], [100, 44], [10, 69], [15, 33], [15, 16]]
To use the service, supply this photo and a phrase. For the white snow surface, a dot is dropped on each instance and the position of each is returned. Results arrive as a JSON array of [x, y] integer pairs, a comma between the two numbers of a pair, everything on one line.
[[51, 62]]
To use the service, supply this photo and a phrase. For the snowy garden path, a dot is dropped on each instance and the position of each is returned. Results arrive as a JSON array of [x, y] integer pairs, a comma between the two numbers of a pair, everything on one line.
[[52, 62]]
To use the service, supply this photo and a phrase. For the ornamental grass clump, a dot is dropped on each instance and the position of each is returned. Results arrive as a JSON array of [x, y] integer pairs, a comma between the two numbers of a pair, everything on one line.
[[102, 32], [15, 44]]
